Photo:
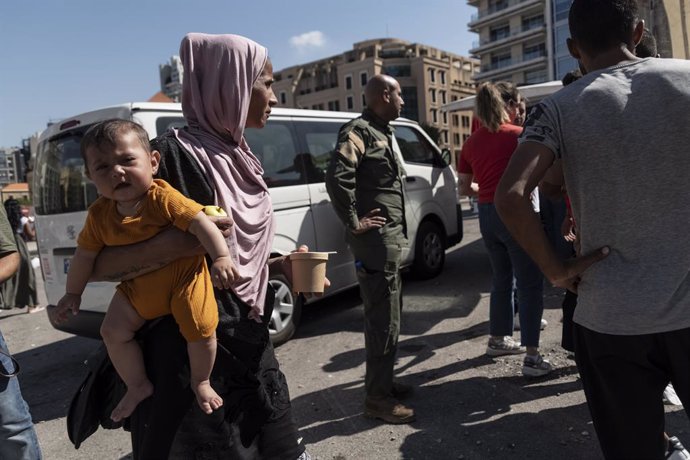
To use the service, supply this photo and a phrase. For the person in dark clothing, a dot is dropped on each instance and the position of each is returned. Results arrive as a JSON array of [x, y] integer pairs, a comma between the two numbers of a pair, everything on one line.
[[20, 290], [364, 181], [210, 162]]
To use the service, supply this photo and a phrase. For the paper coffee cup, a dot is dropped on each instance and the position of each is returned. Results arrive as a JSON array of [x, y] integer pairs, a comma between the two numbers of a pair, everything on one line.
[[308, 271]]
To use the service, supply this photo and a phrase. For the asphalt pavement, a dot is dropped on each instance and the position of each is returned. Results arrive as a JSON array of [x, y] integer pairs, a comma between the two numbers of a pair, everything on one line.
[[469, 405]]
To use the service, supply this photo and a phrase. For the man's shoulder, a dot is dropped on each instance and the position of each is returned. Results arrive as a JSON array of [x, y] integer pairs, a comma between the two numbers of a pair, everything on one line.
[[354, 130], [355, 124]]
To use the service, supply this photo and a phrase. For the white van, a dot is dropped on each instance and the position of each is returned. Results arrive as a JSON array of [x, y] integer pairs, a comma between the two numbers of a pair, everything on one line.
[[294, 148]]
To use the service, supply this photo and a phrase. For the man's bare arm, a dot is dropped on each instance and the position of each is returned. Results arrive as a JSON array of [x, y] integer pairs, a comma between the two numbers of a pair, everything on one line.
[[120, 263], [9, 264], [466, 186], [527, 167], [552, 184]]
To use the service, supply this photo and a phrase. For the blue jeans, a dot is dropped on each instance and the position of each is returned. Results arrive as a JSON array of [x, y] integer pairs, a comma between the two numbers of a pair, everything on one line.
[[18, 439], [510, 263]]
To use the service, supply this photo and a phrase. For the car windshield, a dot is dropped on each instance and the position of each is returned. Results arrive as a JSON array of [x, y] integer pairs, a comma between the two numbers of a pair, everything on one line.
[[59, 181]]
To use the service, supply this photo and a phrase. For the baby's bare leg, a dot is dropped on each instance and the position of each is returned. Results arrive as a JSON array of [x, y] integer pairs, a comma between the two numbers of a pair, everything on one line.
[[119, 326], [202, 355]]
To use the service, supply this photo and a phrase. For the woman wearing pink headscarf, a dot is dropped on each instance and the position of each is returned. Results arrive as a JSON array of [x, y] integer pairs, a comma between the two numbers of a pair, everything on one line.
[[226, 88]]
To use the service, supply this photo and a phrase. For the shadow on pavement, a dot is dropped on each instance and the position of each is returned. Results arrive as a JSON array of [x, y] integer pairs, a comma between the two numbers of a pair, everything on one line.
[[60, 363]]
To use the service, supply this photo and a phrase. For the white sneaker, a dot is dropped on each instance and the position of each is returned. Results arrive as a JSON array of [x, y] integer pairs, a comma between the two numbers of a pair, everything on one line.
[[504, 346], [535, 366], [676, 451], [670, 396], [516, 323]]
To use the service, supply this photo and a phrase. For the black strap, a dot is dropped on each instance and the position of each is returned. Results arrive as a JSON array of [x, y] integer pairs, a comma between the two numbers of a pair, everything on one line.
[[15, 365]]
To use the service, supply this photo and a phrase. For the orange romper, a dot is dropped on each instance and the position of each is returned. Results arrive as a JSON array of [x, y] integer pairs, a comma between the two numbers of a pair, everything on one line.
[[183, 287]]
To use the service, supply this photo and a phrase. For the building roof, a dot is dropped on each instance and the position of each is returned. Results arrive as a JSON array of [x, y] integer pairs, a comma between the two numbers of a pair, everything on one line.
[[16, 187], [533, 94], [159, 97]]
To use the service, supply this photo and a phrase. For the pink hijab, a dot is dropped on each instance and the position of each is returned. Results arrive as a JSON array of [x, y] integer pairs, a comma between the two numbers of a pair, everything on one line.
[[219, 73]]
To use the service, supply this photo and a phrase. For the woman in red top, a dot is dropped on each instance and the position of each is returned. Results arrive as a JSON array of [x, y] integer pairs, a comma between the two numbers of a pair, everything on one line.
[[484, 158]]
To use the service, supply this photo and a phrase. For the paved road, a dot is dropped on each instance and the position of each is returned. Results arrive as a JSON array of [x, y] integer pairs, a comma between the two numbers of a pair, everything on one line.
[[469, 406]]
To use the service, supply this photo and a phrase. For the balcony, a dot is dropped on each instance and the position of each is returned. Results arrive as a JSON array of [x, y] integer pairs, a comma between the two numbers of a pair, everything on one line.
[[509, 66], [482, 46], [496, 12]]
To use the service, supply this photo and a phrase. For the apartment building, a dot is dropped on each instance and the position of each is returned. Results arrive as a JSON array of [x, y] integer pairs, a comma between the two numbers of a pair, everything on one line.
[[171, 75], [524, 41], [514, 38], [429, 77], [11, 166]]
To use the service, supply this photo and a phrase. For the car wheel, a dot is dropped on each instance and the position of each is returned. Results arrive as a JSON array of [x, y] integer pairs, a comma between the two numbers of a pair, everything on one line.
[[287, 311], [430, 251]]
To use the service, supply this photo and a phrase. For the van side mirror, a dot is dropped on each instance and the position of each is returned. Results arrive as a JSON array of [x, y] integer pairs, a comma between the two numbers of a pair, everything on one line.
[[445, 156]]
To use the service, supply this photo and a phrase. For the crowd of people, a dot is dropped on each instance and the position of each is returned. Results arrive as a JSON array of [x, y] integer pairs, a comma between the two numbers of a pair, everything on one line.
[[593, 148]]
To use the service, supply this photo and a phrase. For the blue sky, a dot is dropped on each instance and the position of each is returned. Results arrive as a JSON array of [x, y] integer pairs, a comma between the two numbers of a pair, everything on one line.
[[65, 57]]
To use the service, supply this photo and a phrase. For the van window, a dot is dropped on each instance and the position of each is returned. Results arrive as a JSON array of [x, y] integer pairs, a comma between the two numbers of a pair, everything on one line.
[[163, 124], [319, 138], [60, 184], [414, 147], [274, 146]]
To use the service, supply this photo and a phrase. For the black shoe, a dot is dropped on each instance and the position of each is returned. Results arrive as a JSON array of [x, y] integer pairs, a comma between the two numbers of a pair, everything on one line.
[[389, 410], [401, 391]]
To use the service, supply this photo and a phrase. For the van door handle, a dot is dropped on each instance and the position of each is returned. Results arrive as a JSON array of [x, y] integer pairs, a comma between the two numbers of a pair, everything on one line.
[[410, 179]]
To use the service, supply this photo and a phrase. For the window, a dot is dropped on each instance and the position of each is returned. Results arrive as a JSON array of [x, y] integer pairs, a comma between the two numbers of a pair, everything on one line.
[[564, 65], [334, 105], [444, 135], [443, 96], [497, 5], [533, 51], [560, 37], [364, 101], [499, 32], [283, 98], [432, 95], [410, 109], [320, 139], [64, 186], [348, 81], [561, 9], [456, 120], [414, 147], [533, 22], [442, 76], [274, 146], [165, 123], [465, 121], [432, 75], [465, 137], [498, 61], [363, 77], [403, 70], [536, 76], [434, 115], [350, 103], [456, 139], [445, 118]]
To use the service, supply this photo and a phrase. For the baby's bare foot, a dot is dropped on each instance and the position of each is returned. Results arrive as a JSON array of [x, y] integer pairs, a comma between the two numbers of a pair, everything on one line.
[[130, 401], [207, 397]]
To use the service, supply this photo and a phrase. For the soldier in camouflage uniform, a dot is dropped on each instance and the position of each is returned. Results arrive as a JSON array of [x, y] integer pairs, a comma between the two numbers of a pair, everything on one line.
[[364, 181]]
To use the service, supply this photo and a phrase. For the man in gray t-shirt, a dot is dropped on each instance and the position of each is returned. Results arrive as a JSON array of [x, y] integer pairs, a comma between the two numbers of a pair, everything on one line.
[[623, 134]]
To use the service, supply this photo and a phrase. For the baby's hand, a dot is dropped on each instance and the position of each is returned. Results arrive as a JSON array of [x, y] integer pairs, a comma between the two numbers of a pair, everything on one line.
[[224, 272], [69, 302]]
